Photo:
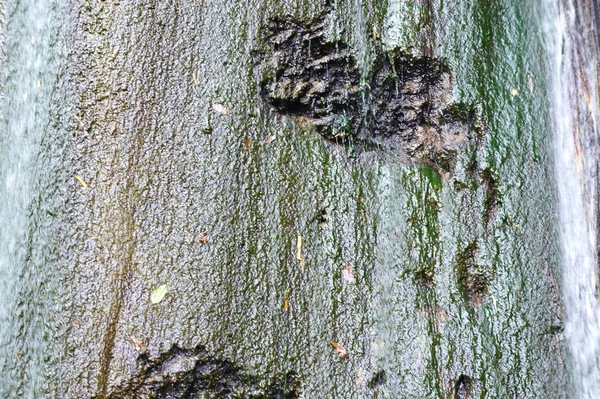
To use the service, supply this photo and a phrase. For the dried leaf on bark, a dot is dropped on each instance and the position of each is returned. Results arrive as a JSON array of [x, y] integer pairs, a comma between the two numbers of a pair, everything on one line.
[[158, 293], [220, 108], [204, 237], [348, 274], [340, 350]]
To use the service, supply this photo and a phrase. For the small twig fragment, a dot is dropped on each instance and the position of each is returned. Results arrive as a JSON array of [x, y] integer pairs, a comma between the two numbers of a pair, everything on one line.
[[138, 345], [299, 257], [495, 304], [81, 181], [286, 303], [530, 84]]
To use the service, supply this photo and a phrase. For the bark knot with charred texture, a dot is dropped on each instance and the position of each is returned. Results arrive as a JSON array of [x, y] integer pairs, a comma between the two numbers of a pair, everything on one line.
[[192, 373], [405, 104]]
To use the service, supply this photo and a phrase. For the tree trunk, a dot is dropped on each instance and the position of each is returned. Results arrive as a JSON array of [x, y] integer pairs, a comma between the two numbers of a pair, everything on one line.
[[157, 161]]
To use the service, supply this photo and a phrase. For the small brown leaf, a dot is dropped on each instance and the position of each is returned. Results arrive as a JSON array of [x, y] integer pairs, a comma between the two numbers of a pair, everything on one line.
[[220, 108], [138, 344], [348, 274], [340, 350], [204, 237], [286, 304], [248, 143]]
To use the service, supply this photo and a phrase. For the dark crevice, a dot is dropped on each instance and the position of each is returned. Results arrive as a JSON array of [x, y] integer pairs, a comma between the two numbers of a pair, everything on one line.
[[119, 287], [463, 387], [378, 379], [492, 194], [473, 282]]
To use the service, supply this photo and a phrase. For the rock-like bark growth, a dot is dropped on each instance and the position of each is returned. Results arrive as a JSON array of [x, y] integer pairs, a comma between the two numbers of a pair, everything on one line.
[[303, 75], [193, 373], [405, 105]]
